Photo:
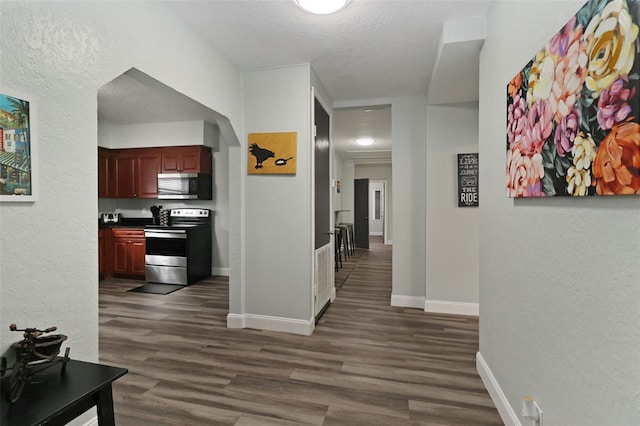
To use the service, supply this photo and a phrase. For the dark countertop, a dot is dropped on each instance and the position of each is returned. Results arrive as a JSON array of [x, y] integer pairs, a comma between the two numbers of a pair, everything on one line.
[[128, 222]]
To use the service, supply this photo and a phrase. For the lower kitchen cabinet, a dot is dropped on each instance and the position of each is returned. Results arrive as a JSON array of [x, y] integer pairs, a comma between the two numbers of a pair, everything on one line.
[[127, 253]]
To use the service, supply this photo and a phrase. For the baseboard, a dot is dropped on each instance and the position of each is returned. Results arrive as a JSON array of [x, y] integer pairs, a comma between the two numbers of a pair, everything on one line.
[[375, 234], [507, 414], [407, 301], [333, 293], [219, 272], [388, 243], [235, 321], [264, 322], [456, 308]]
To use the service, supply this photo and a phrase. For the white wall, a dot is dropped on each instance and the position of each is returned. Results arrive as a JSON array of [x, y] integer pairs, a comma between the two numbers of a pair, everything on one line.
[[151, 134], [408, 130], [346, 191], [60, 54], [452, 232], [559, 278], [379, 172], [278, 207]]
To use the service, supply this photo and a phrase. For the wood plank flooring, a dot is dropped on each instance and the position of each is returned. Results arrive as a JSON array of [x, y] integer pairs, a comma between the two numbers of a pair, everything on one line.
[[365, 364]]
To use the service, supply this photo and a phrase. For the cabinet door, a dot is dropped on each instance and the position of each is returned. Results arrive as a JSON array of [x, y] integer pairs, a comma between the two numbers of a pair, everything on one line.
[[136, 257], [148, 167], [125, 175], [187, 159], [170, 161], [100, 253], [104, 161], [190, 159], [120, 256]]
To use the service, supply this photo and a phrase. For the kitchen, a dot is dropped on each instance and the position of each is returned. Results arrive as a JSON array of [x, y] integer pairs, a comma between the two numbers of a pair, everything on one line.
[[162, 185]]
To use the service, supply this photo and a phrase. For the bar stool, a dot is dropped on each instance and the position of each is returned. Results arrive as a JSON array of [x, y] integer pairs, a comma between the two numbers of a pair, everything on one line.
[[344, 237], [351, 242], [336, 247]]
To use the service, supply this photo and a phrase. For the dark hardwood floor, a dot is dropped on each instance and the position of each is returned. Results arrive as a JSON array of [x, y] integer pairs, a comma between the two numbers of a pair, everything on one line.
[[366, 363]]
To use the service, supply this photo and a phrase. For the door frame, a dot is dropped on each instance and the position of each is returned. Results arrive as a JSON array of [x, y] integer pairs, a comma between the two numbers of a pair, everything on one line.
[[328, 110]]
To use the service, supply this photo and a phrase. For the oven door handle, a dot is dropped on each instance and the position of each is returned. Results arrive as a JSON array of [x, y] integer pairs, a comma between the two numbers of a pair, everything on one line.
[[161, 233]]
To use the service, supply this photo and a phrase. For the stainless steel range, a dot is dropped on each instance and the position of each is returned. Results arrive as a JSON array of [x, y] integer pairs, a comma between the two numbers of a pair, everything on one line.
[[179, 253]]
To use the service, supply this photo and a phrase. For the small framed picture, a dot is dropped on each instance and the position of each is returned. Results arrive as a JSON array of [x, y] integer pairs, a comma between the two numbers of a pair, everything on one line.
[[17, 149]]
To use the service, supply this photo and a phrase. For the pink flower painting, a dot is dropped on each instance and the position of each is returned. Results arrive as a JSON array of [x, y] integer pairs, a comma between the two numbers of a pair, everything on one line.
[[573, 112]]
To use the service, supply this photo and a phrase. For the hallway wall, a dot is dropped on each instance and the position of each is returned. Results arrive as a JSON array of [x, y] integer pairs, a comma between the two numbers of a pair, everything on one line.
[[452, 231], [278, 217], [559, 277]]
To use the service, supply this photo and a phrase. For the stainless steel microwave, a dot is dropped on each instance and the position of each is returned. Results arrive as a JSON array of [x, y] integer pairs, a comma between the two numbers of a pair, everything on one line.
[[184, 186]]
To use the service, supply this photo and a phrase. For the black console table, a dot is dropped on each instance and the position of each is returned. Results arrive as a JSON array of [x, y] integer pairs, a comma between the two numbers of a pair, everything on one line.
[[56, 400]]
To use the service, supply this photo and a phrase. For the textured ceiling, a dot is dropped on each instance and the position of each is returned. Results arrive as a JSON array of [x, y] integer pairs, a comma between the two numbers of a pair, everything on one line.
[[371, 50]]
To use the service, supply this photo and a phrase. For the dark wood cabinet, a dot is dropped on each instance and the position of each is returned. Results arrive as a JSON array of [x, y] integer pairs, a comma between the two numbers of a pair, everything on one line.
[[147, 169], [124, 165], [104, 173], [101, 254], [187, 159], [128, 248], [133, 173]]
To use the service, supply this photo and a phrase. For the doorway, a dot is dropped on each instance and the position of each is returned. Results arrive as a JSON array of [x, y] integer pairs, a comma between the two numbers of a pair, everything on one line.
[[323, 266], [377, 209], [361, 213]]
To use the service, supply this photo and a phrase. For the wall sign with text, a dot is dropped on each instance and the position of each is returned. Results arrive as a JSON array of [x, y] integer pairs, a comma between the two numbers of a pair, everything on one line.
[[468, 180]]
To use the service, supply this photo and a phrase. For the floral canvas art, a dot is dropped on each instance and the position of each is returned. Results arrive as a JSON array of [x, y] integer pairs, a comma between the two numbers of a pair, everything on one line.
[[573, 125]]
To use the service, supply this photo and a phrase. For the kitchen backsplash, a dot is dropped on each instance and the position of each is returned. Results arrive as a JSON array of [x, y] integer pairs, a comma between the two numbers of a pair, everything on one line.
[[141, 207]]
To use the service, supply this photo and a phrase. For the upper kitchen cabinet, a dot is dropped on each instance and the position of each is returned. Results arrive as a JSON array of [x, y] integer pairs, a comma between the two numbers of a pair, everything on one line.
[[105, 173], [135, 173], [187, 159]]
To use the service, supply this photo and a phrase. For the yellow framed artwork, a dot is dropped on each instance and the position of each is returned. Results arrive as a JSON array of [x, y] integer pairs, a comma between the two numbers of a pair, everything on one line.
[[272, 153]]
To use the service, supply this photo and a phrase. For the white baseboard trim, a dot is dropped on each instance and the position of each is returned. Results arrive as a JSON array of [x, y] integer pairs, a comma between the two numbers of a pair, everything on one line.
[[235, 321], [333, 293], [389, 243], [456, 308], [407, 301], [375, 234], [219, 272], [509, 417], [264, 322]]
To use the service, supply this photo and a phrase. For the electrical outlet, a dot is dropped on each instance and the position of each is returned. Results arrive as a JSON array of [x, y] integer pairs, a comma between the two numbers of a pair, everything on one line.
[[531, 410]]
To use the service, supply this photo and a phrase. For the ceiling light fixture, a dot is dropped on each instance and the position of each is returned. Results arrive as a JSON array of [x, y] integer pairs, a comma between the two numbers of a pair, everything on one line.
[[365, 141], [322, 7]]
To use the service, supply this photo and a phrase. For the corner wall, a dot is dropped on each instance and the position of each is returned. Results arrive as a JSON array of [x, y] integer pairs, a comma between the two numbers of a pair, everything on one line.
[[452, 231], [408, 128], [278, 225], [559, 278]]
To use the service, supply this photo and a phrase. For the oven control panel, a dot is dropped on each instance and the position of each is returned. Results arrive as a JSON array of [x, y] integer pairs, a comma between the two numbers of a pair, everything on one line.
[[190, 212]]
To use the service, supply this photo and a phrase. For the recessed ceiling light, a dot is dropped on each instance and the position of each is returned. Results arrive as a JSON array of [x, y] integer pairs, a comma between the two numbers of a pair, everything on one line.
[[365, 141], [322, 7]]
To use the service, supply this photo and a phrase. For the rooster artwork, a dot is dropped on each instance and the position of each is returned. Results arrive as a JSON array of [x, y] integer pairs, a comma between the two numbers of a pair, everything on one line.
[[261, 154], [272, 153]]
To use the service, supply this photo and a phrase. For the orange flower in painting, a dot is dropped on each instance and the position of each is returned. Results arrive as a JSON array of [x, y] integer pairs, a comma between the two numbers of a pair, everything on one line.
[[616, 168], [514, 85]]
